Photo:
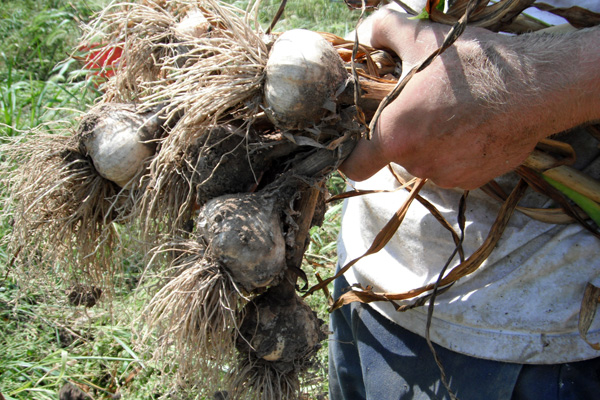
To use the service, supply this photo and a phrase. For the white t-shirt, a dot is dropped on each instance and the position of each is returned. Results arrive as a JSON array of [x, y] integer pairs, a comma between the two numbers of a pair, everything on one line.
[[521, 305]]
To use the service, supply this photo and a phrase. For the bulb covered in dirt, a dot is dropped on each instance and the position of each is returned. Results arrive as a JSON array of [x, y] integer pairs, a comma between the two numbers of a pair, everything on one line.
[[220, 161], [303, 74], [244, 235], [280, 328], [116, 138]]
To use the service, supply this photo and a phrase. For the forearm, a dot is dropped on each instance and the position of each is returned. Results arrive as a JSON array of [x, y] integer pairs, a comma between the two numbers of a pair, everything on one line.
[[554, 78], [583, 49]]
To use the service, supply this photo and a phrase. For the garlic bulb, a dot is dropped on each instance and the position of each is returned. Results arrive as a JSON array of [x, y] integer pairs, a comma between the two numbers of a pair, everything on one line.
[[303, 75]]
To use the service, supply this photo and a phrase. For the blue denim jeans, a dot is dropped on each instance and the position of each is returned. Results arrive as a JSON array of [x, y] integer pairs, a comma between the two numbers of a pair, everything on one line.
[[371, 357]]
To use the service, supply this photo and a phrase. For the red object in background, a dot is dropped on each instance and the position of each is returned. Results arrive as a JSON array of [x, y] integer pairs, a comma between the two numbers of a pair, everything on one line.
[[431, 4], [103, 61]]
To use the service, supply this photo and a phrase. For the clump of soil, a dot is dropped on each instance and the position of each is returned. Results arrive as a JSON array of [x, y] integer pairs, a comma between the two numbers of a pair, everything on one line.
[[279, 328], [229, 160], [72, 392], [80, 295]]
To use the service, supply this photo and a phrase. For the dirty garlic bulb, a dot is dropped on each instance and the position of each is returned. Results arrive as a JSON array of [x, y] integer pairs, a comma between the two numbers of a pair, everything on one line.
[[302, 77]]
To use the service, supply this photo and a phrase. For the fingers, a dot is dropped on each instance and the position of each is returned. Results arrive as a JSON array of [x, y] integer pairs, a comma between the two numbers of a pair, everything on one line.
[[412, 40], [387, 26]]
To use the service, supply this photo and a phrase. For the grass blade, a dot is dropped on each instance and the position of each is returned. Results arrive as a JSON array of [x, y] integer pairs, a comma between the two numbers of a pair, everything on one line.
[[589, 206]]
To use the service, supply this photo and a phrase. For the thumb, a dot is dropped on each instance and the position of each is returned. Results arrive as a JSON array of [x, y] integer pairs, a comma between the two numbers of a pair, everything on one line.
[[365, 160]]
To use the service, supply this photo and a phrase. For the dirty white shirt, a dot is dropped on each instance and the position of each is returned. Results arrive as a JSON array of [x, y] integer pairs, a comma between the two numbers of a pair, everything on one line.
[[521, 305]]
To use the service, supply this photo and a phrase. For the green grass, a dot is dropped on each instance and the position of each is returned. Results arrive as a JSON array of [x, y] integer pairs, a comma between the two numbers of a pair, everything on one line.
[[47, 343], [36, 83], [36, 35], [318, 15], [44, 341]]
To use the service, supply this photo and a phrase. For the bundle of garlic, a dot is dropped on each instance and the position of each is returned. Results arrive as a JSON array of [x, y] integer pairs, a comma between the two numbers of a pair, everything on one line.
[[208, 148]]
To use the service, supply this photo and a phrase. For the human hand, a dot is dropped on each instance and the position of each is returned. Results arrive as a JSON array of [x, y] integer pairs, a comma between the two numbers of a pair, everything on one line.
[[478, 110]]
